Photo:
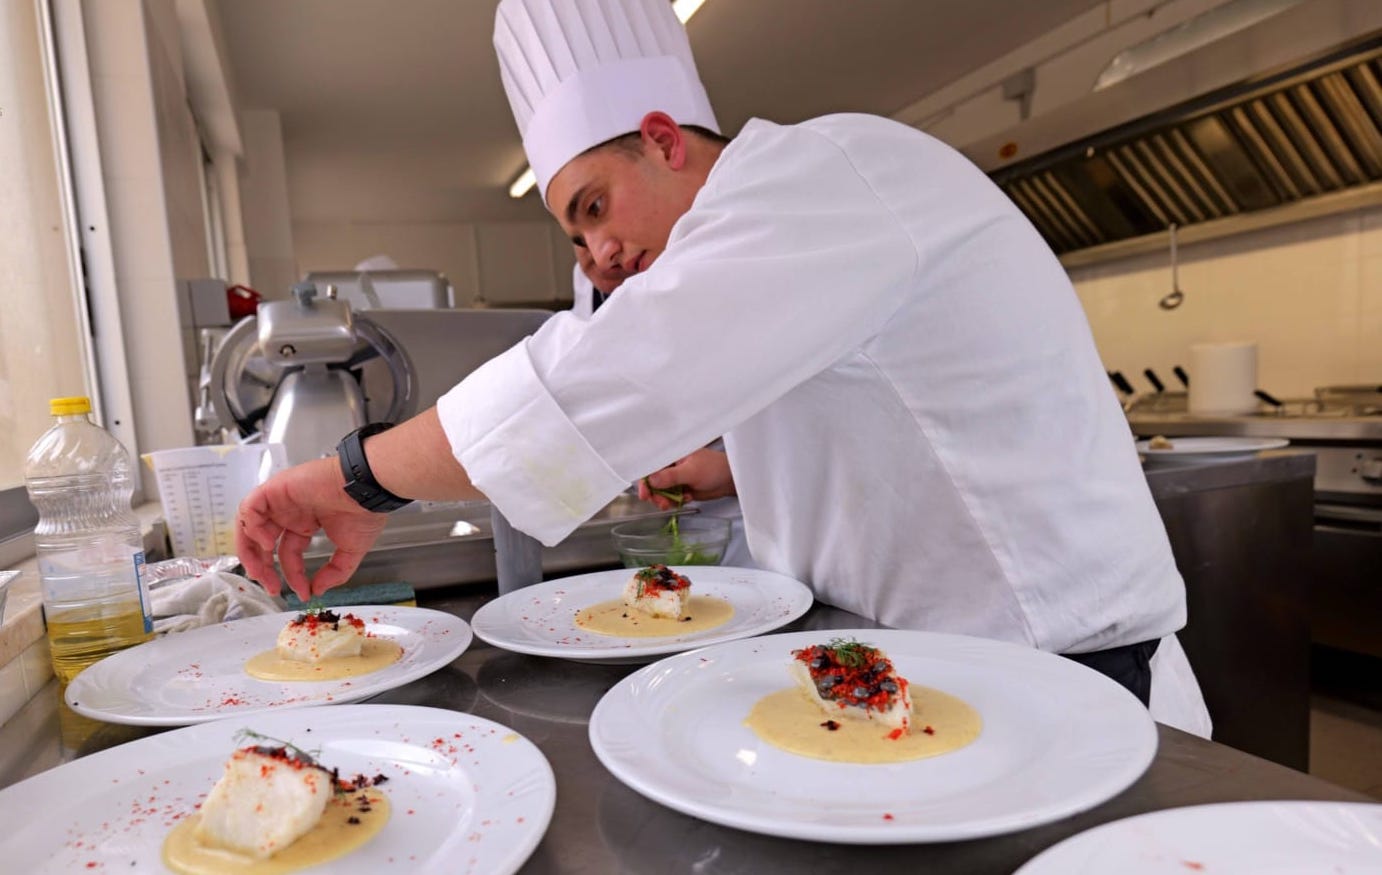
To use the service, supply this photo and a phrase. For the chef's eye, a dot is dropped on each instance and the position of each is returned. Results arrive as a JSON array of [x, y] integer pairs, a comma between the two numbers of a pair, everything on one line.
[[595, 208]]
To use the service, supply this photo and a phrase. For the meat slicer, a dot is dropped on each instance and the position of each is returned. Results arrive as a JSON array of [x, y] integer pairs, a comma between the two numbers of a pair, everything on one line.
[[305, 372]]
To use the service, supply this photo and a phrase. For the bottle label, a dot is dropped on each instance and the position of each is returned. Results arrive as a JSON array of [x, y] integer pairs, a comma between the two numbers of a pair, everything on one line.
[[145, 601]]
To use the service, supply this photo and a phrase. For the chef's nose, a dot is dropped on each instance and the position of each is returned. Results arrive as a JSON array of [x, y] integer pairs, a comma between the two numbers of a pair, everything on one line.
[[605, 250]]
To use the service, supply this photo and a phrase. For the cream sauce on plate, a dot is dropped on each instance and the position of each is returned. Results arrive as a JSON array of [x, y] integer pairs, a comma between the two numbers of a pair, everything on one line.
[[334, 836], [788, 719], [375, 653], [617, 619]]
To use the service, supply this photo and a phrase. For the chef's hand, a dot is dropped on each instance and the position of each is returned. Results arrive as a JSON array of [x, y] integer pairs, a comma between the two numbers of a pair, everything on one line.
[[703, 475], [283, 513]]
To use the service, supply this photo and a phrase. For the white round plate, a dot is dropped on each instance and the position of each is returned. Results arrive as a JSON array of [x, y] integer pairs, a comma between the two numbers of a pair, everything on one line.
[[541, 619], [1057, 739], [1191, 448], [468, 795], [199, 675], [1231, 838]]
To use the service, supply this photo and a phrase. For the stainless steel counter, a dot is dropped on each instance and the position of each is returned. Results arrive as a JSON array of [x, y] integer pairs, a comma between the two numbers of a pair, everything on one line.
[[600, 826]]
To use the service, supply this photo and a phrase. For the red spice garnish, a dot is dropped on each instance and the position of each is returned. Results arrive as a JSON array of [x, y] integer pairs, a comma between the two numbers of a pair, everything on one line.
[[887, 816], [326, 620], [853, 674], [831, 725], [659, 578], [897, 733], [928, 730]]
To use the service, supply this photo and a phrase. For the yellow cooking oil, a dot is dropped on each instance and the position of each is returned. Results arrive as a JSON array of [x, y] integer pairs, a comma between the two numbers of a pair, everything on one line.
[[80, 636]]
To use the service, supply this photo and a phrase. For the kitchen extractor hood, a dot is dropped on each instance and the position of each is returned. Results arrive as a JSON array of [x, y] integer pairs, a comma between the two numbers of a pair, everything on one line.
[[1301, 140]]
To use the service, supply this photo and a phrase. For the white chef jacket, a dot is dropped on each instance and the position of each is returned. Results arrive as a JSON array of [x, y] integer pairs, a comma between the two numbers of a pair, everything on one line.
[[736, 553], [919, 424], [582, 294]]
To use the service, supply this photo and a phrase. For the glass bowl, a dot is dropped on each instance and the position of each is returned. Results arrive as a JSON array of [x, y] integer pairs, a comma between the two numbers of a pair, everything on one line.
[[696, 540]]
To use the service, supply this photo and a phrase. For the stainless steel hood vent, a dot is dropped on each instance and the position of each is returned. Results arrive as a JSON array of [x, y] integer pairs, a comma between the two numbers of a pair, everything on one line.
[[1301, 136]]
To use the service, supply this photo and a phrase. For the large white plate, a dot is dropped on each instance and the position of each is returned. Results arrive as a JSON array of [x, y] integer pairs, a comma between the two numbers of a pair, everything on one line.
[[1057, 739], [1188, 449], [541, 619], [468, 795], [199, 675], [1232, 838]]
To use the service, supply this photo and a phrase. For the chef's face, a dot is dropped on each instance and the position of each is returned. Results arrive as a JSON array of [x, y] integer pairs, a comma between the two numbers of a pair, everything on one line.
[[619, 201], [604, 280]]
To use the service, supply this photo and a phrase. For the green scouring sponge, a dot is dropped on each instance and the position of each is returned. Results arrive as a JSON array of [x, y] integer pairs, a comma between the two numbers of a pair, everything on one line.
[[391, 593]]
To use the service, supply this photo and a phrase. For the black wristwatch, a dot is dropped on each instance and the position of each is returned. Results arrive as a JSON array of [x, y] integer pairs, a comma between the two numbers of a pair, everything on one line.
[[359, 479]]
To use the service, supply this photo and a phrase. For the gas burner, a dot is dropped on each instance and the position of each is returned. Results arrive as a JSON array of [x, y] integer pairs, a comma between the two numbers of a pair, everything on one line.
[[1358, 400]]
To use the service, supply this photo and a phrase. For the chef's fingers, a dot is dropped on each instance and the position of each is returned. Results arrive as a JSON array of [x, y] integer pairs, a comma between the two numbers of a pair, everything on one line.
[[290, 548], [257, 567], [660, 502], [255, 539], [336, 571]]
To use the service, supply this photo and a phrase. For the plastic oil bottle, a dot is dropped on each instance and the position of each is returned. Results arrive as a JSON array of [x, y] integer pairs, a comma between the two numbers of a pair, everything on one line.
[[90, 550]]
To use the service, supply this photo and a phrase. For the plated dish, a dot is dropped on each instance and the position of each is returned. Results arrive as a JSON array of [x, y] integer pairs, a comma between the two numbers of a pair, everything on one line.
[[200, 675], [1056, 739], [542, 619], [468, 794], [1232, 838], [1194, 448]]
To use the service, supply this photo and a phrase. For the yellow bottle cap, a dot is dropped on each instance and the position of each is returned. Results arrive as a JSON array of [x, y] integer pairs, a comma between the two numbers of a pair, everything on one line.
[[69, 406]]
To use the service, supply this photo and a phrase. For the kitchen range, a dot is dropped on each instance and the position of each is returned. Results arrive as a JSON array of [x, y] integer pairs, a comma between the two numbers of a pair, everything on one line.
[[1342, 426]]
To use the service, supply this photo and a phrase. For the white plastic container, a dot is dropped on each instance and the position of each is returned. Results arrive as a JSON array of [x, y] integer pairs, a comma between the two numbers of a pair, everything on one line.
[[1224, 378], [201, 488], [90, 550]]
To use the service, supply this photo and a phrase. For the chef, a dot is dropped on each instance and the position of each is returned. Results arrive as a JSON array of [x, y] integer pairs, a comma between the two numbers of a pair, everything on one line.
[[918, 423], [591, 286]]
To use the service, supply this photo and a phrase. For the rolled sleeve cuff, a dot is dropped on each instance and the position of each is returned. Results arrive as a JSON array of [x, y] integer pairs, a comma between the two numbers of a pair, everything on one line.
[[521, 450]]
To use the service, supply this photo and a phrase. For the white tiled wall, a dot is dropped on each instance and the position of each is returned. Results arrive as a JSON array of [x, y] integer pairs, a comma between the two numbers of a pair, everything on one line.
[[21, 678], [1309, 294], [132, 67]]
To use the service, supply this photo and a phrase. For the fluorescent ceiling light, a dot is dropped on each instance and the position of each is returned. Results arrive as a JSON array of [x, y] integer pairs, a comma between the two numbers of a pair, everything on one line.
[[526, 180], [1189, 35], [684, 9]]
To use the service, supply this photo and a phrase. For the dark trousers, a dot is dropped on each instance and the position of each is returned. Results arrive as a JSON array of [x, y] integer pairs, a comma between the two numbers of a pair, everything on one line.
[[1130, 665]]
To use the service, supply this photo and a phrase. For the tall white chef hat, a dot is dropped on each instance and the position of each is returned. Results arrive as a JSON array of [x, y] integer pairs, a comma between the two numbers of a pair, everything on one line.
[[580, 72]]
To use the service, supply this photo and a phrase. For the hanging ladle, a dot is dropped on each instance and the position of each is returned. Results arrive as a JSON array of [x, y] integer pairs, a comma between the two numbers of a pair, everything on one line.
[[1173, 299]]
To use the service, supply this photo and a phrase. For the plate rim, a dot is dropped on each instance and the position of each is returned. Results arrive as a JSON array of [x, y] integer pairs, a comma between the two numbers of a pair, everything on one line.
[[1141, 755], [1053, 853], [631, 655], [1251, 445], [348, 695], [185, 738]]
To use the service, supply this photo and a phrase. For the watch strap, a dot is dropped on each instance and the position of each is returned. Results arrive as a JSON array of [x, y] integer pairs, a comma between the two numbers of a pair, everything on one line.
[[359, 479]]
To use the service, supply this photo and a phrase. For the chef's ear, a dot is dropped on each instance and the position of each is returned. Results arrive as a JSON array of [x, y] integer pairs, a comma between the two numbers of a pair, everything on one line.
[[661, 132]]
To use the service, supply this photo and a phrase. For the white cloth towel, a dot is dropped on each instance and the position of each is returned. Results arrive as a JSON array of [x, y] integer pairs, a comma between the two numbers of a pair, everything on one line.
[[214, 597]]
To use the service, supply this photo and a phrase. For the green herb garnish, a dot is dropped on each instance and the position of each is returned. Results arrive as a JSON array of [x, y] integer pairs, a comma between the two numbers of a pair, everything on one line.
[[681, 552], [850, 653], [244, 735]]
